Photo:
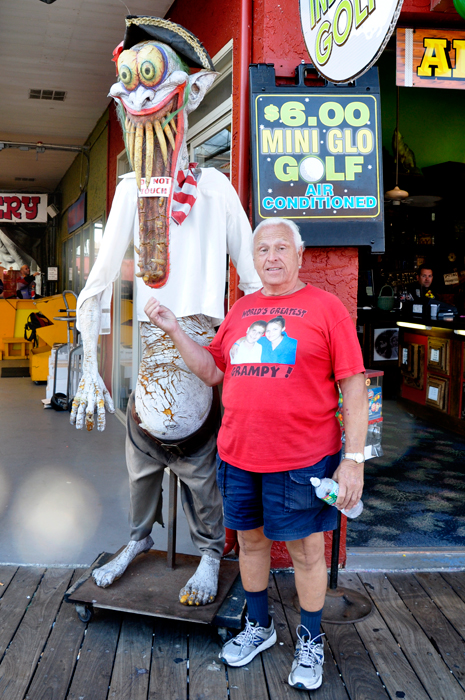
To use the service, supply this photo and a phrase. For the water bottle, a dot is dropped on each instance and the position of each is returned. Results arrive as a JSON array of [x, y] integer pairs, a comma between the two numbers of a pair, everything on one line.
[[327, 490]]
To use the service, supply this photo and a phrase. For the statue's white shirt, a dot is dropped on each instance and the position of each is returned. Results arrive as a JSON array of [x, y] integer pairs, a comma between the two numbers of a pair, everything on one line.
[[216, 226]]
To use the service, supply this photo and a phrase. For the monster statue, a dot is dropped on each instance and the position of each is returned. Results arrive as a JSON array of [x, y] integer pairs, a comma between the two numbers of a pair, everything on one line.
[[184, 220]]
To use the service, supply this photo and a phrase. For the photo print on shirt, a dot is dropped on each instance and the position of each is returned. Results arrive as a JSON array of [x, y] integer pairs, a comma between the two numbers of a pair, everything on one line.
[[266, 342]]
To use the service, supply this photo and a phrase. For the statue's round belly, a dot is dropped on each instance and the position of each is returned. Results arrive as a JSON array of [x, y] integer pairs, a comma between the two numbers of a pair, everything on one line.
[[171, 402]]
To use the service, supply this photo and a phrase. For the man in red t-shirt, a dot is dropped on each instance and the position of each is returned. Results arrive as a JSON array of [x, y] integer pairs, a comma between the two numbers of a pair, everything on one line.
[[279, 430]]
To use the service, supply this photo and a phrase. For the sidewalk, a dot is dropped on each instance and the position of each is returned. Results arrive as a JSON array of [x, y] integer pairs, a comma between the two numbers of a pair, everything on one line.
[[63, 492]]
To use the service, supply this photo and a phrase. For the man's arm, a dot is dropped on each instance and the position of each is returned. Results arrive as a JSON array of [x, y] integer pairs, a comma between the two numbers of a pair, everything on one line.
[[199, 360], [349, 474]]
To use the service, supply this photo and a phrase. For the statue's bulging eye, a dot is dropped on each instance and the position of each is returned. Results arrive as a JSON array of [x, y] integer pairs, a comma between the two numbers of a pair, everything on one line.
[[147, 71], [152, 64], [127, 69]]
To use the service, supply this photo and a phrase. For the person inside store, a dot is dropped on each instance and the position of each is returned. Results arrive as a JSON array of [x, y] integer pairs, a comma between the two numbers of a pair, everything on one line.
[[26, 283], [279, 429], [423, 287]]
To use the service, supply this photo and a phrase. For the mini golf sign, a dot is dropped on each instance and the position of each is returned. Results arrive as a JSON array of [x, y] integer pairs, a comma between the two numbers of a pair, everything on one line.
[[345, 37]]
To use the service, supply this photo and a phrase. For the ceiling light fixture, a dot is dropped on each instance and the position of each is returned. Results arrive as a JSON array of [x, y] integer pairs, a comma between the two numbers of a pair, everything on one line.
[[397, 195], [47, 2]]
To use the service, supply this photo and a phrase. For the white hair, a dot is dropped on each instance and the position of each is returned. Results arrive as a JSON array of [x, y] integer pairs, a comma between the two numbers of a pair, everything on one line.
[[299, 244]]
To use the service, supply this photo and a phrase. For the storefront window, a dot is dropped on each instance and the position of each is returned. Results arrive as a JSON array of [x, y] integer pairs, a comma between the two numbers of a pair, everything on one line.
[[123, 316], [210, 125], [215, 151], [85, 262], [77, 265], [79, 254], [98, 234], [126, 344]]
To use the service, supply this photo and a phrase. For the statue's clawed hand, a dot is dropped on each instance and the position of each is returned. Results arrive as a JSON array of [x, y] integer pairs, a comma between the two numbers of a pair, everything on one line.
[[91, 395]]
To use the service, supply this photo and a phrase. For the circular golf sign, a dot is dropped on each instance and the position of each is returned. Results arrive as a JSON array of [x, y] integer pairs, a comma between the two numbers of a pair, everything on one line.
[[345, 37]]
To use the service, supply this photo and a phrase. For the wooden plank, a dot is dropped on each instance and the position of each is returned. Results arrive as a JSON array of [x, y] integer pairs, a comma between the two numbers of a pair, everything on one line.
[[130, 677], [20, 662], [357, 671], [6, 574], [15, 601], [439, 631], [56, 668], [95, 661], [456, 579], [395, 671], [422, 656], [207, 674], [249, 681], [447, 600], [333, 686], [168, 676]]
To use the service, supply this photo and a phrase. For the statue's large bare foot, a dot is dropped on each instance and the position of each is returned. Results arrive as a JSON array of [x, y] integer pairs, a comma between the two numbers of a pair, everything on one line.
[[107, 574], [203, 585]]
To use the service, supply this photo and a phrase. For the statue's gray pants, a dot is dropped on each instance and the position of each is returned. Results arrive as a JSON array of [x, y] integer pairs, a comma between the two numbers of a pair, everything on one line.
[[200, 497]]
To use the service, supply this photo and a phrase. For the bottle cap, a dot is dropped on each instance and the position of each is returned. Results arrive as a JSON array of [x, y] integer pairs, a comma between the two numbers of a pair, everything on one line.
[[315, 481]]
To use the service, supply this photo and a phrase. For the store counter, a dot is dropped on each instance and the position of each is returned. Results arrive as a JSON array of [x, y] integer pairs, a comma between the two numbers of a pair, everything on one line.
[[14, 314], [431, 360], [13, 317]]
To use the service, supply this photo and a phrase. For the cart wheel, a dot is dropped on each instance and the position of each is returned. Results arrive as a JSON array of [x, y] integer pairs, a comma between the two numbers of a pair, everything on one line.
[[84, 612]]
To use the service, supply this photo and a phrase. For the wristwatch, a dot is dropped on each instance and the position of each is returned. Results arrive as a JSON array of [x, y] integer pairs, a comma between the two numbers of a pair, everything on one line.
[[358, 457]]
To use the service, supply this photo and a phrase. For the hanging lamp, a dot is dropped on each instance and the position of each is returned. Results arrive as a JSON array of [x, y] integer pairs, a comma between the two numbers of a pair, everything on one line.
[[396, 195]]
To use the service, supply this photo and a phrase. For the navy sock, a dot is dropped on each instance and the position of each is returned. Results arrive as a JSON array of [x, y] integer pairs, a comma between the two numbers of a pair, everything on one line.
[[312, 621], [257, 607]]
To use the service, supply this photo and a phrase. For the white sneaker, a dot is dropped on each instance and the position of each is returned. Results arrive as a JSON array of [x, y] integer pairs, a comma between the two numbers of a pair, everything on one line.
[[307, 667], [248, 643]]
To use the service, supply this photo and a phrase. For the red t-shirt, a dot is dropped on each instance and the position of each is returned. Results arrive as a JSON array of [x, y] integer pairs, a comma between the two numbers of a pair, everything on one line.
[[281, 357]]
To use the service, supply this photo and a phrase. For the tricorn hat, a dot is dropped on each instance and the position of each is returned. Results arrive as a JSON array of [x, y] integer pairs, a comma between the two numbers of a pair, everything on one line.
[[186, 44]]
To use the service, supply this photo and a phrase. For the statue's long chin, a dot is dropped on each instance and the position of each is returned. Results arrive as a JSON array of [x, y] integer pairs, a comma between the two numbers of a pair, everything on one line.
[[156, 148]]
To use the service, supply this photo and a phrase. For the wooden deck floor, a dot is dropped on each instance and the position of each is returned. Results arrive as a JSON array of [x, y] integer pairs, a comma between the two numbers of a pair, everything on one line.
[[412, 646]]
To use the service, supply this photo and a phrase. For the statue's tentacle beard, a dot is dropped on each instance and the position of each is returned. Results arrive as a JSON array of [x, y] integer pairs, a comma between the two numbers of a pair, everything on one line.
[[152, 153]]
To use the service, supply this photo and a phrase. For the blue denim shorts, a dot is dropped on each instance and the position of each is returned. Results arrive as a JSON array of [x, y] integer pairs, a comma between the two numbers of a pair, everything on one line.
[[285, 503]]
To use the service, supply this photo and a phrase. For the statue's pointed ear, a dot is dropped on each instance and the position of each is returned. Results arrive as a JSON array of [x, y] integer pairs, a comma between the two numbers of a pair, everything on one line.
[[200, 83]]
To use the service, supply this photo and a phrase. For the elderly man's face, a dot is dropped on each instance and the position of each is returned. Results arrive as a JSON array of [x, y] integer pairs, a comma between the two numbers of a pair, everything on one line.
[[276, 258]]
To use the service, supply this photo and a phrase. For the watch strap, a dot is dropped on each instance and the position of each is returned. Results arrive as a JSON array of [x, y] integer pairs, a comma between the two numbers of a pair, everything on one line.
[[358, 457]]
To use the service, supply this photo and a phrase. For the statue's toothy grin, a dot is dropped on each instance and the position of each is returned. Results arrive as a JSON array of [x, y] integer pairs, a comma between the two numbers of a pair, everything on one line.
[[152, 142], [155, 94]]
